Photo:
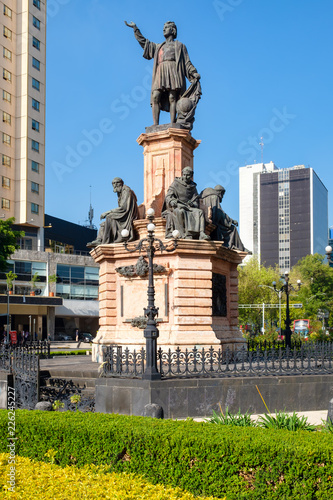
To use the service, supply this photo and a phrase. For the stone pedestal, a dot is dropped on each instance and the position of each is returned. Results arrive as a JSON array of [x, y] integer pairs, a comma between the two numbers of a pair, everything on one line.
[[166, 153], [196, 292]]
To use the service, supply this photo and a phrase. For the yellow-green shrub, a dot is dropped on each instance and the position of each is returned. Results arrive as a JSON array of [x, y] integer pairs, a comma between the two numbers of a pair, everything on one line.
[[201, 458], [39, 481]]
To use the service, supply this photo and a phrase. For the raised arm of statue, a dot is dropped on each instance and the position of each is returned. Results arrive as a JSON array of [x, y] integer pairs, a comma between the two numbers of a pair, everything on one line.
[[137, 33]]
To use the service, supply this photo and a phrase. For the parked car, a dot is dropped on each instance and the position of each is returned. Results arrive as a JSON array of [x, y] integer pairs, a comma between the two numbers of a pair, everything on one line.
[[62, 337], [86, 337]]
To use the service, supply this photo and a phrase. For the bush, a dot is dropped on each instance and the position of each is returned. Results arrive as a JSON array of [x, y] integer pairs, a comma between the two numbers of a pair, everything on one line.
[[238, 419], [69, 353], [38, 481], [236, 462], [282, 420]]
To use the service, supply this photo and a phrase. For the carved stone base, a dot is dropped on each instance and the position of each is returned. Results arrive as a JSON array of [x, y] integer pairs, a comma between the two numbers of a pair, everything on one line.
[[196, 291], [166, 153]]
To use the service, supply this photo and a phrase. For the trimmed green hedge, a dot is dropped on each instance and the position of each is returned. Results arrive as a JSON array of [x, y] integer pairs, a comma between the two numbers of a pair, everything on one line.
[[205, 459], [70, 353]]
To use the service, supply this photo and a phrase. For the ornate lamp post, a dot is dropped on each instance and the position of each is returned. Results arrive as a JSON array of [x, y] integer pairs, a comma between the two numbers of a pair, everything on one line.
[[150, 245], [287, 288], [329, 251], [279, 294]]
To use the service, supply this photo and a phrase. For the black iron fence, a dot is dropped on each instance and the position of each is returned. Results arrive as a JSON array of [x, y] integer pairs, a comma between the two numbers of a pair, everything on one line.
[[39, 347], [23, 365], [308, 359], [31, 385]]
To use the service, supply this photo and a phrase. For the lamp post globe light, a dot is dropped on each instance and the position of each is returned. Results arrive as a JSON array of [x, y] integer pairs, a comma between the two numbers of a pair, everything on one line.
[[287, 288], [328, 251], [150, 245]]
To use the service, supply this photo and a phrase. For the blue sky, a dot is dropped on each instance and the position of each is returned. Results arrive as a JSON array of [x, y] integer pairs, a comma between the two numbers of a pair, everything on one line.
[[266, 70]]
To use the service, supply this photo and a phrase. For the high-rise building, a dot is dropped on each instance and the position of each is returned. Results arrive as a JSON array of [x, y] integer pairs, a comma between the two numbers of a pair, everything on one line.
[[283, 213], [23, 36]]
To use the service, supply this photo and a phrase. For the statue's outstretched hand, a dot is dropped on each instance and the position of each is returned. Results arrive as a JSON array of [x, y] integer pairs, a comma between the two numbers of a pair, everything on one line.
[[130, 24], [196, 76]]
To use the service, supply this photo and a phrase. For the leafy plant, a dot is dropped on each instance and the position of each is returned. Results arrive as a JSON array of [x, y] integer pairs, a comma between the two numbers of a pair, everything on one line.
[[57, 405], [328, 426], [75, 399], [52, 278], [227, 418], [8, 241], [34, 280], [10, 277], [283, 420]]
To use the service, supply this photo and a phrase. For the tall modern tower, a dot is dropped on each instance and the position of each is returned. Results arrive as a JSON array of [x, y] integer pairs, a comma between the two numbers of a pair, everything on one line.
[[23, 36], [283, 213]]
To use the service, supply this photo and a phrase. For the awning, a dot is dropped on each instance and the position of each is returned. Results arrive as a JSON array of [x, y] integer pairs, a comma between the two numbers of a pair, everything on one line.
[[78, 308]]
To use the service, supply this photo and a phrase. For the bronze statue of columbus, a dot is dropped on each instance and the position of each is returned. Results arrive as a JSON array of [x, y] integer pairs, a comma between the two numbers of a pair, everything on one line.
[[172, 66]]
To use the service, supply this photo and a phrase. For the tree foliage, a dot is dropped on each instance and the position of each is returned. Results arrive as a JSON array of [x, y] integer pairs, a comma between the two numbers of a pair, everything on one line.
[[315, 293], [8, 241], [255, 287]]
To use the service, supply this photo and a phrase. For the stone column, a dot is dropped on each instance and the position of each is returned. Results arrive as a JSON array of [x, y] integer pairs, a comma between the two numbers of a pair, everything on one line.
[[166, 153], [50, 322]]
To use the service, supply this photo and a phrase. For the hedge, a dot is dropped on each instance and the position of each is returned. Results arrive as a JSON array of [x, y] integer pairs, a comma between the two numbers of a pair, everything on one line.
[[70, 353], [202, 458], [37, 481]]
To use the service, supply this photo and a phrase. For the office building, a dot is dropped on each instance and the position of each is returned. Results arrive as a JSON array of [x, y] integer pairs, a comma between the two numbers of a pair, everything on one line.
[[283, 213], [23, 36], [64, 295]]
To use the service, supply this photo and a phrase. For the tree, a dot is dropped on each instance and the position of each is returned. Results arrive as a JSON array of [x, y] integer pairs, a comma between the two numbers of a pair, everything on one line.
[[255, 287], [8, 241], [316, 292]]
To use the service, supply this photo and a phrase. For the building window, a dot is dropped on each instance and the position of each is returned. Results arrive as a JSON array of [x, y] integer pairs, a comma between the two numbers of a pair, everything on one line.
[[6, 139], [37, 4], [7, 11], [5, 203], [7, 32], [35, 166], [35, 146], [36, 63], [35, 43], [35, 84], [7, 75], [34, 208], [36, 22], [6, 118], [5, 182], [35, 187], [6, 160], [35, 125], [6, 96], [35, 104], [76, 282], [7, 54]]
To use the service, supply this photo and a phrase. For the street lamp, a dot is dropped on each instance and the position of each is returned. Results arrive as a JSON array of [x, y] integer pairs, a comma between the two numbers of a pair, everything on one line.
[[287, 288], [279, 294], [329, 251], [150, 245]]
